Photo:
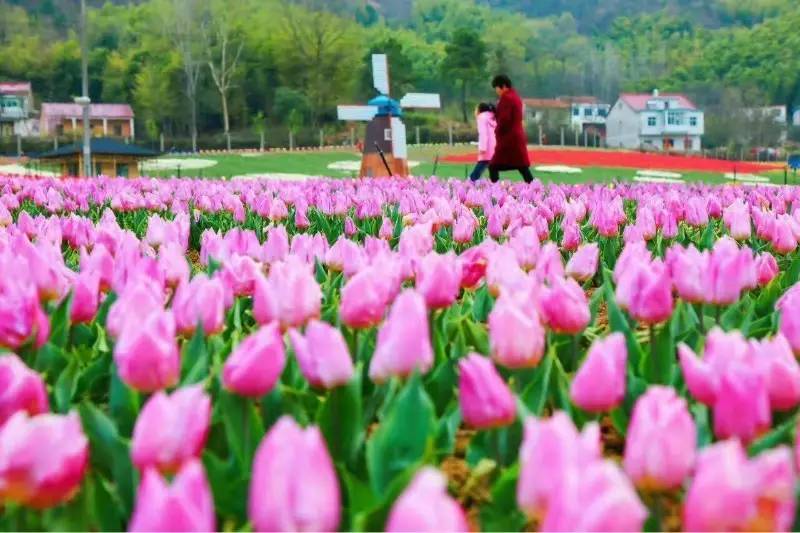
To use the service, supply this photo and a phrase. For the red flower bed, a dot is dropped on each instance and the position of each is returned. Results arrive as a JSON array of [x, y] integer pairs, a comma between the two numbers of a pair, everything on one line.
[[625, 159]]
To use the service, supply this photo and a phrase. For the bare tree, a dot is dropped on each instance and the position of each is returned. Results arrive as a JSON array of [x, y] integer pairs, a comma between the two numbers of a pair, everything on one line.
[[182, 24], [222, 53]]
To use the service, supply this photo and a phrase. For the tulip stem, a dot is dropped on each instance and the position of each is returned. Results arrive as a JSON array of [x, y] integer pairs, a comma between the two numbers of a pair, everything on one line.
[[701, 318], [652, 344], [246, 431], [575, 353], [719, 313]]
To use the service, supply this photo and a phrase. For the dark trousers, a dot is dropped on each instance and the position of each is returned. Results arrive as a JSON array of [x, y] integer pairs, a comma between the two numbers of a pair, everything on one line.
[[494, 172], [477, 172]]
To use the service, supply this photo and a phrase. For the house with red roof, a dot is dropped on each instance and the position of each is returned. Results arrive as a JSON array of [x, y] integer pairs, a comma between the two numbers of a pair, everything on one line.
[[106, 120], [657, 121], [16, 109]]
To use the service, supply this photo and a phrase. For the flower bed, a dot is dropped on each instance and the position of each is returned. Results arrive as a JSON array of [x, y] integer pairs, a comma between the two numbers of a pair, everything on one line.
[[397, 354]]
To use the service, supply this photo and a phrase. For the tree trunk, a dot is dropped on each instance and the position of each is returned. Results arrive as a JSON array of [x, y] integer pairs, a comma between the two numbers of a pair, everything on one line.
[[225, 120], [464, 100]]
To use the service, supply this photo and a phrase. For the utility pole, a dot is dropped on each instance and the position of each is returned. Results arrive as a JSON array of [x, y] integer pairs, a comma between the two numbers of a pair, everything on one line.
[[84, 99]]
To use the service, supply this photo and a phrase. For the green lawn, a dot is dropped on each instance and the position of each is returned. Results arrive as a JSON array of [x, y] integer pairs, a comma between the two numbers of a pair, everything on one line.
[[316, 164]]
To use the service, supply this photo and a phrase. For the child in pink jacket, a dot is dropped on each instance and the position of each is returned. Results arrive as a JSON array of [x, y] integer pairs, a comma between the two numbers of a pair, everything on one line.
[[484, 116]]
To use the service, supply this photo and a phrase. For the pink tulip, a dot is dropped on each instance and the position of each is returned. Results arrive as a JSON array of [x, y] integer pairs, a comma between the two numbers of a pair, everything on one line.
[[484, 397], [730, 270], [21, 315], [293, 485], [526, 246], [597, 498], [200, 301], [583, 264], [742, 405], [297, 294], [256, 364], [766, 268], [687, 268], [645, 291], [404, 343], [784, 238], [187, 414], [549, 266], [572, 235], [702, 376], [42, 459], [563, 306], [775, 479], [276, 247], [789, 308], [781, 371], [599, 384], [552, 450], [503, 272], [139, 298], [439, 279], [364, 299], [661, 440], [85, 297], [238, 275], [416, 241], [172, 260], [737, 218], [516, 335], [386, 231], [101, 262], [722, 494], [463, 230], [425, 506], [21, 389], [473, 266], [322, 355], [146, 353], [265, 305], [186, 504]]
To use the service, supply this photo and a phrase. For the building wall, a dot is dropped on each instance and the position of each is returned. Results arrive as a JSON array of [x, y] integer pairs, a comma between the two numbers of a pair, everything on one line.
[[622, 127], [115, 128]]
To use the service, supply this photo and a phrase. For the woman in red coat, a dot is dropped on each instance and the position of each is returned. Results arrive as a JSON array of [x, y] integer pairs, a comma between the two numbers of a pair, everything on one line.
[[511, 152]]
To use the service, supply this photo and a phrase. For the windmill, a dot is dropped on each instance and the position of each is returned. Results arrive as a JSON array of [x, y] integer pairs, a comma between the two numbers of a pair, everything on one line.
[[386, 133]]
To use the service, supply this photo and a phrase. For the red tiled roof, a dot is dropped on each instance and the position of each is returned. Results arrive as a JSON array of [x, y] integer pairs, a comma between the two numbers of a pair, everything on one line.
[[545, 103], [13, 87], [638, 102]]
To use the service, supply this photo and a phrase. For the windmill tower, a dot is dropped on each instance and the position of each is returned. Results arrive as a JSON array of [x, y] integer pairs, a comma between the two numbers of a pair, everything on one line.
[[386, 132]]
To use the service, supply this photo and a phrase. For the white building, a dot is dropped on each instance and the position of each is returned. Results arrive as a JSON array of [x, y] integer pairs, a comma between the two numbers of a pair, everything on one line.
[[587, 112], [669, 122]]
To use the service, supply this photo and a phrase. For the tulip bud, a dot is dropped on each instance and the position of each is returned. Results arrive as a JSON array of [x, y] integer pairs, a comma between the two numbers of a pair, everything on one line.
[[484, 398], [322, 355], [297, 293], [404, 343], [172, 261], [238, 275], [583, 264], [526, 246], [21, 315], [661, 440], [687, 268], [775, 479], [780, 369], [256, 364], [473, 266], [645, 290], [21, 389], [364, 299], [33, 471], [439, 279], [200, 301], [426, 506], [146, 353], [552, 450], [184, 505], [85, 297], [599, 384], [789, 308], [386, 231], [564, 307], [293, 486], [187, 414], [766, 268], [516, 335], [730, 270]]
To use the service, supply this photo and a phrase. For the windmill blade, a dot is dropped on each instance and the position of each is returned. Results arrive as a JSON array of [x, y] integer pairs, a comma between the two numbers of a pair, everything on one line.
[[421, 101], [380, 73], [356, 112], [399, 148]]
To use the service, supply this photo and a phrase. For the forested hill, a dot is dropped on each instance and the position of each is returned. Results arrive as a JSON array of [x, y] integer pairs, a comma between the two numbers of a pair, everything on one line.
[[299, 58]]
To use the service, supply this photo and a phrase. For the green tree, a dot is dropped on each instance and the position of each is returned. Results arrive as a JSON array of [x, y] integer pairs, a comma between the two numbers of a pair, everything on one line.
[[465, 62]]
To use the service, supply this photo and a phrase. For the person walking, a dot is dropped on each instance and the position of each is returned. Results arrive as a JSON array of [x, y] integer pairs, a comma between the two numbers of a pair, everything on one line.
[[484, 117], [511, 152]]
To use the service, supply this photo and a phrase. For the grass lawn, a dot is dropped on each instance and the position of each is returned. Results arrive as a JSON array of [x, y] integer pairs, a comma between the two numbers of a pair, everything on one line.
[[316, 164]]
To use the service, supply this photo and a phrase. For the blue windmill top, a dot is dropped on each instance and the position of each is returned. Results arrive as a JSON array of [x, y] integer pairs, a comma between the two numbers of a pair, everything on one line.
[[387, 106]]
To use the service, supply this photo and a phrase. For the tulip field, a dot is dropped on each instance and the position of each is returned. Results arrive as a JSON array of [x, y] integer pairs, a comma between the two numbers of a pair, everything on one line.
[[397, 354]]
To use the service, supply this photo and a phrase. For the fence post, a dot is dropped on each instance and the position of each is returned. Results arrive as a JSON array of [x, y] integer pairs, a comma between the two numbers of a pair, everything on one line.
[[261, 142], [19, 145], [228, 140], [321, 138], [161, 141], [540, 134], [450, 133], [291, 140], [577, 142], [55, 142], [352, 137], [562, 135], [585, 139], [416, 130]]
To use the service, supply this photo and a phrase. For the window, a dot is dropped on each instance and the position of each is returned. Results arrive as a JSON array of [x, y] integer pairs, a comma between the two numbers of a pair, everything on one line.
[[651, 121], [587, 112], [576, 111], [674, 119], [117, 130], [693, 121], [602, 112], [122, 170]]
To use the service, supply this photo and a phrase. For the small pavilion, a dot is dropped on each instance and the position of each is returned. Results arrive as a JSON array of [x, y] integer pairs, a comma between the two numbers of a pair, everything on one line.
[[110, 157]]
